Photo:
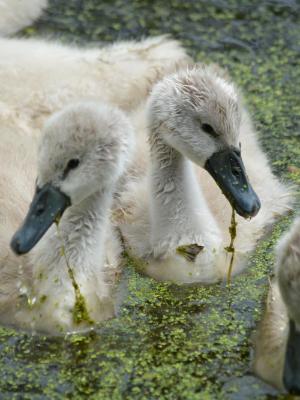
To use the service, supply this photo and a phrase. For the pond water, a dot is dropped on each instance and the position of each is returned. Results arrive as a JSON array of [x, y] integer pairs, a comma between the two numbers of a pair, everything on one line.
[[171, 342]]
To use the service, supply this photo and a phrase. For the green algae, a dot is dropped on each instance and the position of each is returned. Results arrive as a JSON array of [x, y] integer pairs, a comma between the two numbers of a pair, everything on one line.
[[43, 298], [172, 342], [80, 312], [230, 248]]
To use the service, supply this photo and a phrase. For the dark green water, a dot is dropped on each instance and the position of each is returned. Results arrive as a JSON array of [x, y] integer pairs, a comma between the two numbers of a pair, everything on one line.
[[173, 342]]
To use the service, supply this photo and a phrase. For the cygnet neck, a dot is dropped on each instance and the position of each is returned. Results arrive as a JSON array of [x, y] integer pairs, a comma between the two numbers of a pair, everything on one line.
[[177, 205]]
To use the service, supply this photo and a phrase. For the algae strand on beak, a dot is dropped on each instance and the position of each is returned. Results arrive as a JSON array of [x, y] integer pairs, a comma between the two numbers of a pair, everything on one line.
[[80, 312], [230, 248]]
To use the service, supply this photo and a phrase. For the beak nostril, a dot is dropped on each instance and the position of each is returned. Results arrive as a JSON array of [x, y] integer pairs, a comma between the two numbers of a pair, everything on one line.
[[236, 171], [40, 209]]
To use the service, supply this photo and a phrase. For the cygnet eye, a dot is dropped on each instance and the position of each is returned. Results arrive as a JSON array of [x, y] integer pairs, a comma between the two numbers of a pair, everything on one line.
[[72, 164], [209, 130]]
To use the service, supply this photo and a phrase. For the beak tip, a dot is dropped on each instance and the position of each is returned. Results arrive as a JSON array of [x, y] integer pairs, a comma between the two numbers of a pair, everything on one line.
[[47, 204], [15, 245], [249, 210]]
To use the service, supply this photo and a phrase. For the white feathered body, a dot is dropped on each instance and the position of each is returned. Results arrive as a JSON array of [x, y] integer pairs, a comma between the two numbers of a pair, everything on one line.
[[209, 223]]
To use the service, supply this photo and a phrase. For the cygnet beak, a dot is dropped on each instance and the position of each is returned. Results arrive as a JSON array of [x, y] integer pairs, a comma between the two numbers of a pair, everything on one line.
[[228, 170], [48, 204]]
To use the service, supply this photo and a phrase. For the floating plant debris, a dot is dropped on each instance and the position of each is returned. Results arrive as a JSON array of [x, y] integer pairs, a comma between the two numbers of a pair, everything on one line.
[[230, 248], [189, 251], [80, 312]]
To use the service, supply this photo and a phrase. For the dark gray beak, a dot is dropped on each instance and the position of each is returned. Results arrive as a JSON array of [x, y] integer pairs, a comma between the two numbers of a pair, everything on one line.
[[47, 205], [291, 372], [228, 170]]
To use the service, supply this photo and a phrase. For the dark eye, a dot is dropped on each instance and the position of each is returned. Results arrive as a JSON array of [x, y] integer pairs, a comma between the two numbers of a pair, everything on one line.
[[72, 164], [209, 129]]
